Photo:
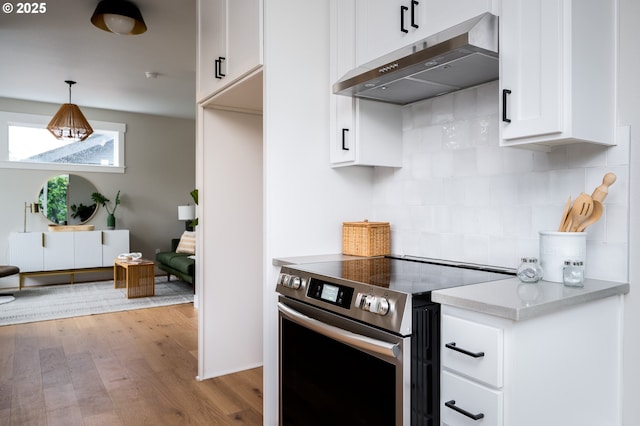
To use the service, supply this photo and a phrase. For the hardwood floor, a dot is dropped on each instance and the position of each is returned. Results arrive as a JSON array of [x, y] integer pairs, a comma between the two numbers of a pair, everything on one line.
[[126, 368]]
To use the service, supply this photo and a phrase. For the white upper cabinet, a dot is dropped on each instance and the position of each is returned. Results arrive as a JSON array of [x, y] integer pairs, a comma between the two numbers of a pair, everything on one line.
[[211, 46], [244, 36], [557, 72], [365, 133], [361, 132], [387, 25], [229, 43], [342, 59]]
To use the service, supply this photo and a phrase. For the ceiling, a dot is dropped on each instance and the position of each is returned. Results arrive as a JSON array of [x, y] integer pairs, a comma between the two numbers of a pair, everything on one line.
[[38, 52]]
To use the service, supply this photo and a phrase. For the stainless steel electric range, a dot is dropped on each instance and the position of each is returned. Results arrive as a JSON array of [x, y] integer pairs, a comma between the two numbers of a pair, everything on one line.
[[359, 339]]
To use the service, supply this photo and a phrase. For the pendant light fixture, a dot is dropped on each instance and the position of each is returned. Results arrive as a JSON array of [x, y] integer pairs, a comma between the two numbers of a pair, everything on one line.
[[119, 17], [69, 124]]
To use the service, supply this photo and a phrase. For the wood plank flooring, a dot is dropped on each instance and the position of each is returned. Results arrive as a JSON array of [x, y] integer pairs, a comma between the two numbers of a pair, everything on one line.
[[125, 368]]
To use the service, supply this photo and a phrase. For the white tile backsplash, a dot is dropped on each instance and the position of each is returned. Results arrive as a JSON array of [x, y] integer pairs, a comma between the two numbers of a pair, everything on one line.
[[464, 105], [441, 109], [461, 196], [614, 228]]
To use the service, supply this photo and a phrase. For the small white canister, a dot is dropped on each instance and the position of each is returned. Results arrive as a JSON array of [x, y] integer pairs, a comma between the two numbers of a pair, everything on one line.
[[556, 247]]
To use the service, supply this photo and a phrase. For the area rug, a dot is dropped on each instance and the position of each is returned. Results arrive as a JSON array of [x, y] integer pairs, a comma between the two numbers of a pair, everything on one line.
[[73, 300]]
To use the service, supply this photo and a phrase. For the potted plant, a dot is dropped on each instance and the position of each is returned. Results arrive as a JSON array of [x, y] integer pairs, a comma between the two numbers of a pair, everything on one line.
[[194, 195], [98, 198]]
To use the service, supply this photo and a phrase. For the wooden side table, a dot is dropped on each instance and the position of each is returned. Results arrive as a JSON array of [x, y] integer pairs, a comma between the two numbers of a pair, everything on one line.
[[137, 276]]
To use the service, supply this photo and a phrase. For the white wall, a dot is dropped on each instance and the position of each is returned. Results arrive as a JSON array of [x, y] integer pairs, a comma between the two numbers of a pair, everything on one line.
[[159, 155], [306, 201], [629, 94], [460, 196], [229, 252]]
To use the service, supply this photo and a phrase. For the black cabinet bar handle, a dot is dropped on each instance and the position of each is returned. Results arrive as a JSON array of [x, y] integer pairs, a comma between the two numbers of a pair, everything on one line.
[[222, 59], [414, 3], [218, 67], [452, 404], [453, 347], [403, 9], [344, 139], [505, 92]]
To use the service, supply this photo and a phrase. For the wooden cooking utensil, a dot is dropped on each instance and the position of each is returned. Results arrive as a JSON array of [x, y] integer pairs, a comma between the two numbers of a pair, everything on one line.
[[580, 211], [565, 215], [601, 191], [597, 212]]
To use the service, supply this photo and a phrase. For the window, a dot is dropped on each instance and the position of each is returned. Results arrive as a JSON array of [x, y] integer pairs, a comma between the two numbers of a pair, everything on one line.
[[26, 143]]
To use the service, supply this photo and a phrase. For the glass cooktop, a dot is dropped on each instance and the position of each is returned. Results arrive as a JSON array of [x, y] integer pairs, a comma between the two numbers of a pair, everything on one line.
[[406, 275]]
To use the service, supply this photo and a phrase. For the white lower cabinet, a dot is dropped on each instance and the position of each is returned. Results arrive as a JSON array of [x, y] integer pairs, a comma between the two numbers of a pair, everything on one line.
[[472, 376], [469, 403], [557, 369], [473, 349]]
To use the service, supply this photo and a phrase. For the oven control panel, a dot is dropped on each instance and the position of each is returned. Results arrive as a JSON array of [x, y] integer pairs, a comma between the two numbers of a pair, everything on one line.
[[335, 294], [367, 303]]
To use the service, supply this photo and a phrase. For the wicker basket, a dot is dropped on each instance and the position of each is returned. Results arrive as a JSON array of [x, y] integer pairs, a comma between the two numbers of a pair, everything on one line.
[[366, 238]]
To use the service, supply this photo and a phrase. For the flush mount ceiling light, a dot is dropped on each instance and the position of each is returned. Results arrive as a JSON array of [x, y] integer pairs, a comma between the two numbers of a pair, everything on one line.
[[69, 124], [118, 16]]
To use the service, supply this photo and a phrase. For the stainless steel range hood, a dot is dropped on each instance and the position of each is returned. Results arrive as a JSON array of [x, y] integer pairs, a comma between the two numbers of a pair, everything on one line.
[[462, 56]]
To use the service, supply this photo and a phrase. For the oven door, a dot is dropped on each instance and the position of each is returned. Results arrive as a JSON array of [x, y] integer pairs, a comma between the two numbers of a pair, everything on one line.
[[335, 371]]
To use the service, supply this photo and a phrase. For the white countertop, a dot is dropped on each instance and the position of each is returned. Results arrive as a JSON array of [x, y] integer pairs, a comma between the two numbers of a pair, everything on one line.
[[515, 300]]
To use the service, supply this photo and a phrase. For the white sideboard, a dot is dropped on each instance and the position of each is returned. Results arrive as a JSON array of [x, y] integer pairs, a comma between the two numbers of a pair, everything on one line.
[[35, 252]]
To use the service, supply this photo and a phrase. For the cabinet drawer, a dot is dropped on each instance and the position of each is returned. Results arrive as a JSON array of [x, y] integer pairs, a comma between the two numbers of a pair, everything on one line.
[[472, 349], [472, 398]]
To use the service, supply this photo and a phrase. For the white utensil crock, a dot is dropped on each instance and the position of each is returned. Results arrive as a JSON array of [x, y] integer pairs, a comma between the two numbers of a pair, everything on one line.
[[556, 247]]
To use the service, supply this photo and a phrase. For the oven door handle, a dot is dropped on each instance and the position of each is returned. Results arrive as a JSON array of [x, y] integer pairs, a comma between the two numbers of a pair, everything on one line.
[[356, 340]]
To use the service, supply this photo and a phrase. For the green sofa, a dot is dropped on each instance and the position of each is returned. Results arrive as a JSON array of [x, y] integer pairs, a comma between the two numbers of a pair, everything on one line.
[[178, 264]]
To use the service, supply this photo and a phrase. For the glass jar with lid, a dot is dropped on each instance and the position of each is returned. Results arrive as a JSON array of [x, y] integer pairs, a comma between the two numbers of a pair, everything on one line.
[[573, 273], [529, 270]]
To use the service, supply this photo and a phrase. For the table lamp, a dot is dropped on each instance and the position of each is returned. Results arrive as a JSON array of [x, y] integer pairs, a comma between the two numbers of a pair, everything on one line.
[[187, 213]]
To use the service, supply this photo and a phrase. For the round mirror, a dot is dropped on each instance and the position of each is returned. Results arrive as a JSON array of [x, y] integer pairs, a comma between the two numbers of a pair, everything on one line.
[[66, 200]]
